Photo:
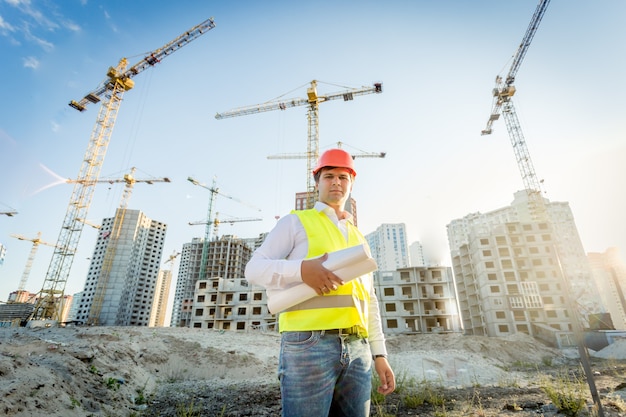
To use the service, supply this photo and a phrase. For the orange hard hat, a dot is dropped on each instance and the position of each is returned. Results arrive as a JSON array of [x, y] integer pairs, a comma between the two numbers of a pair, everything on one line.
[[337, 158]]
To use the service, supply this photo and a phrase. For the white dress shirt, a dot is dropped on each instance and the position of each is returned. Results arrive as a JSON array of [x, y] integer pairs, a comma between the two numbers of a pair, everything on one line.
[[276, 266]]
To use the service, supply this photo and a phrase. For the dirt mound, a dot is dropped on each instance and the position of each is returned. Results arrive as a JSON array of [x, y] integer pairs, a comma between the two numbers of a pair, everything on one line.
[[128, 371]]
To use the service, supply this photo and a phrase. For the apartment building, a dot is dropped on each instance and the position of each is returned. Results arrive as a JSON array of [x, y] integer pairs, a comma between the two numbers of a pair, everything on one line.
[[161, 295], [416, 254], [3, 253], [514, 274], [226, 258], [230, 304], [412, 300], [121, 282], [609, 273], [418, 300], [388, 245]]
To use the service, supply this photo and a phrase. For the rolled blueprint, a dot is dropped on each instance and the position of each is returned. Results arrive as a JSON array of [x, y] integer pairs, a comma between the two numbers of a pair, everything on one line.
[[347, 264]]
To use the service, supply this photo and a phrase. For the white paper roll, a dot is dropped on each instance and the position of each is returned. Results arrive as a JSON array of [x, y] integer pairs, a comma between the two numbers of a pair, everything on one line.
[[347, 264]]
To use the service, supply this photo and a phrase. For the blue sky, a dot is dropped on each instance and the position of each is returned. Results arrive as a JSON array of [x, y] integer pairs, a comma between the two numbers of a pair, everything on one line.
[[437, 62]]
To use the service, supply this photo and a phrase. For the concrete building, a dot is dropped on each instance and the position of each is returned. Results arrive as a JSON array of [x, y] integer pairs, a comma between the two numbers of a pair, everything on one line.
[[3, 253], [610, 275], [121, 281], [514, 274], [161, 295], [230, 304], [416, 254], [418, 300], [226, 257], [389, 248], [412, 300], [73, 311]]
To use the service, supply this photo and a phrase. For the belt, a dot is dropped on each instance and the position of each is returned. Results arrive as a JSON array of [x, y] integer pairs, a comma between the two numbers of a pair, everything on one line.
[[354, 330]]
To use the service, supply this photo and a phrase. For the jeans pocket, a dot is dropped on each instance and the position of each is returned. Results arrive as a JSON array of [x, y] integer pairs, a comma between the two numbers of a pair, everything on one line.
[[294, 341]]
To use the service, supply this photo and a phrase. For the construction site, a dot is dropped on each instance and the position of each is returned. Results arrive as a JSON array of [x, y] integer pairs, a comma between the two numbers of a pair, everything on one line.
[[160, 312]]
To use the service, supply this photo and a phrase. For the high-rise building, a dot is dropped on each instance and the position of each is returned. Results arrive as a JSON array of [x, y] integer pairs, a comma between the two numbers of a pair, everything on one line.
[[515, 274], [610, 276], [389, 248], [416, 254], [226, 258], [161, 295], [122, 277], [3, 252]]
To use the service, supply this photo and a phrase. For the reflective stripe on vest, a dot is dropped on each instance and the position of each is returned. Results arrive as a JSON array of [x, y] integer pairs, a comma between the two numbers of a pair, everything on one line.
[[341, 308]]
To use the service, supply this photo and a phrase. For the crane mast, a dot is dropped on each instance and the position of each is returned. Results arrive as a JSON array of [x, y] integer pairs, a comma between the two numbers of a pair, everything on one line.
[[111, 91], [503, 104], [313, 101], [209, 220], [31, 257]]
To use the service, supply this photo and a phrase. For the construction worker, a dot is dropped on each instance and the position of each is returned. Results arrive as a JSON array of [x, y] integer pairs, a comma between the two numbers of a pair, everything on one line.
[[329, 343]]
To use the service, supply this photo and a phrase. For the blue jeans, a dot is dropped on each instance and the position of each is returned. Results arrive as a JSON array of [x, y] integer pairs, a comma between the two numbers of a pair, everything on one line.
[[324, 375]]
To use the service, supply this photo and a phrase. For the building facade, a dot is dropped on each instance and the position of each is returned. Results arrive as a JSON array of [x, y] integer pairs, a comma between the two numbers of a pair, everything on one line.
[[418, 300], [226, 257], [416, 254], [610, 275], [514, 274], [161, 296], [230, 304], [121, 282], [389, 248]]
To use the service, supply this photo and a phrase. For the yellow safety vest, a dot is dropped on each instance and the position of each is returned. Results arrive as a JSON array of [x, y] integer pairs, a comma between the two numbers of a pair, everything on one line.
[[342, 308]]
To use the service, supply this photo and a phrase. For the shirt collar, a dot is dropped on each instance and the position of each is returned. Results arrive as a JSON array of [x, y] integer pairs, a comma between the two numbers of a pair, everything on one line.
[[322, 207]]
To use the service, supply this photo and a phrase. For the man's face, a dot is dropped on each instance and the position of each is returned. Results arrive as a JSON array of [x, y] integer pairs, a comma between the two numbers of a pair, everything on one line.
[[334, 186]]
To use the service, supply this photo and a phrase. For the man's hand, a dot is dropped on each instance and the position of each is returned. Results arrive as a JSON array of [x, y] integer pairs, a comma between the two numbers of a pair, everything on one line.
[[386, 376], [317, 277]]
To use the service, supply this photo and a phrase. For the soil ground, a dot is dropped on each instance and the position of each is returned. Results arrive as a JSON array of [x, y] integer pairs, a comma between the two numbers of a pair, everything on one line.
[[159, 372]]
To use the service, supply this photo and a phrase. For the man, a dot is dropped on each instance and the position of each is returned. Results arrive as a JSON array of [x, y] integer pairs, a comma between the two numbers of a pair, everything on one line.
[[328, 343]]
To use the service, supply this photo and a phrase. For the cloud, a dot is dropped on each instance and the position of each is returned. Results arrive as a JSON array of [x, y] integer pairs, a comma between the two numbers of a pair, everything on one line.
[[33, 20], [5, 27], [45, 45], [71, 26], [31, 62]]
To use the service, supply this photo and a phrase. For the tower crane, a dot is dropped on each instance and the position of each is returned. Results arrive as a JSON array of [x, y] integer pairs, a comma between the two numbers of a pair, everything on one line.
[[313, 101], [217, 221], [112, 241], [10, 213], [118, 80], [209, 220], [503, 104], [339, 145], [31, 257], [171, 259], [88, 223]]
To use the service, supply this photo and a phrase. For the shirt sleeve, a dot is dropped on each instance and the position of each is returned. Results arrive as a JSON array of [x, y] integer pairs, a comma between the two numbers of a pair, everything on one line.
[[376, 337], [276, 263]]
